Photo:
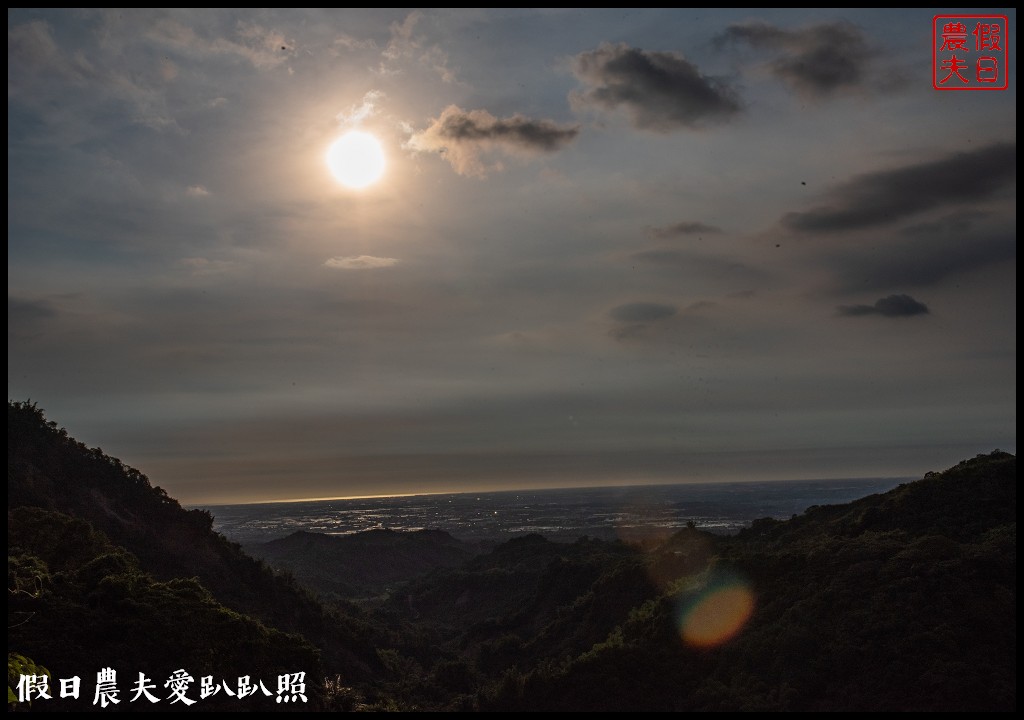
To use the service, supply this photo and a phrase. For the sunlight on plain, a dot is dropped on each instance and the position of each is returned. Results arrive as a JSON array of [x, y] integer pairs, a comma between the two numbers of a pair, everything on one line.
[[716, 615], [356, 159], [645, 520]]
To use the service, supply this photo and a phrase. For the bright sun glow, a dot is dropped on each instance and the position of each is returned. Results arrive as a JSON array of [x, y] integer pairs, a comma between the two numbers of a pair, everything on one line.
[[356, 159]]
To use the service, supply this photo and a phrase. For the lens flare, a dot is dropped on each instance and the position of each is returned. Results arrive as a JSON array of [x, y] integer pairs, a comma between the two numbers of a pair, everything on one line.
[[717, 613]]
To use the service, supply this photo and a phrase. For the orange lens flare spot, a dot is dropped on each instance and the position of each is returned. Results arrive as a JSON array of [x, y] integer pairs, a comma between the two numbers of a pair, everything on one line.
[[717, 616]]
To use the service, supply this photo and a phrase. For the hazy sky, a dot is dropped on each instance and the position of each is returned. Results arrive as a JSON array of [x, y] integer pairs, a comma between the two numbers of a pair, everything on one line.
[[609, 247]]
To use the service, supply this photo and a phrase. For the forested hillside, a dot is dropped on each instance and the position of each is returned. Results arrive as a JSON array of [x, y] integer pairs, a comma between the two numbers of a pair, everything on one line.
[[104, 568], [900, 601]]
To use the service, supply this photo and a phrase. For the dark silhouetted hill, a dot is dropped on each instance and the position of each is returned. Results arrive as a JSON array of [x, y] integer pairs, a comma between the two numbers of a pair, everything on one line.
[[365, 563], [902, 601], [47, 470], [78, 603]]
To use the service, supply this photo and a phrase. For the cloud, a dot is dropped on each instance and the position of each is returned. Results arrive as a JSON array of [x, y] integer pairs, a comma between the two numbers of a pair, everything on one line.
[[196, 191], [953, 224], [21, 311], [927, 253], [633, 318], [642, 312], [884, 197], [353, 43], [815, 61], [32, 52], [683, 228], [199, 266], [263, 48], [365, 109], [661, 91], [49, 74], [465, 138], [406, 46], [359, 262], [32, 43], [891, 306], [705, 266]]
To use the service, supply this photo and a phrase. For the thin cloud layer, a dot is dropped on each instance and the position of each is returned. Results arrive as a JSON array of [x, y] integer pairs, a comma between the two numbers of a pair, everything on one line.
[[661, 91], [407, 48], [265, 48], [814, 61], [923, 260], [709, 268], [201, 266], [634, 319], [359, 262], [884, 197], [32, 49], [361, 111], [22, 310], [891, 306], [683, 228], [464, 138], [640, 312], [27, 318]]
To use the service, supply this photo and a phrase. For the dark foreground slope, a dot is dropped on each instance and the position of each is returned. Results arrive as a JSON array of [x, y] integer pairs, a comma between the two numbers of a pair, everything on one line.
[[899, 601], [103, 566], [77, 603]]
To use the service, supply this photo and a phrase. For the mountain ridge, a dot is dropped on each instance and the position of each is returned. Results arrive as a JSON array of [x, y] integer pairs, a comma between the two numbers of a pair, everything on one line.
[[903, 600]]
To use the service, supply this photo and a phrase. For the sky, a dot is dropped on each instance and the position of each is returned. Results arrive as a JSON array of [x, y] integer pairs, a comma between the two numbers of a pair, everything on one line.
[[609, 247]]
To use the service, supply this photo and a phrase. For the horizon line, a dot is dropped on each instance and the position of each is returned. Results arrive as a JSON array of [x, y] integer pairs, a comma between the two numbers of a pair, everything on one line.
[[541, 489]]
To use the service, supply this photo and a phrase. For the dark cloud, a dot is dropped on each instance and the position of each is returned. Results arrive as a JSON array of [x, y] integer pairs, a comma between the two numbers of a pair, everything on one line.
[[662, 91], [815, 61], [955, 223], [891, 306], [683, 228], [628, 331], [639, 312], [922, 260], [462, 137], [886, 196], [478, 125]]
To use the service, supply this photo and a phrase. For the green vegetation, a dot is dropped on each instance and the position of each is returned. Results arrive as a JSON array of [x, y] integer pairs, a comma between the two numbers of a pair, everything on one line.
[[71, 584], [18, 667], [902, 601], [105, 570], [899, 601]]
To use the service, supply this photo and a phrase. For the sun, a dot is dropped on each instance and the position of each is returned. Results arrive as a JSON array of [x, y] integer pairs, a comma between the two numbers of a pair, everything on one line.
[[356, 159]]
